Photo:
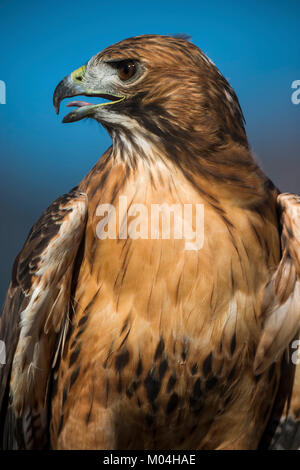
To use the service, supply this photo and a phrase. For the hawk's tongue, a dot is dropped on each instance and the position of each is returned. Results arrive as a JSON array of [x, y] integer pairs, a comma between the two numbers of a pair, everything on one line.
[[78, 103]]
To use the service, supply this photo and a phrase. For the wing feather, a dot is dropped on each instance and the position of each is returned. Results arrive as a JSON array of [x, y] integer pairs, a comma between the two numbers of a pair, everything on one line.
[[35, 319], [281, 311], [281, 304]]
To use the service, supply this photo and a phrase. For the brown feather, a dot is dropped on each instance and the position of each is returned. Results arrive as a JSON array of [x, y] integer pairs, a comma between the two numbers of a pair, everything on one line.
[[36, 312]]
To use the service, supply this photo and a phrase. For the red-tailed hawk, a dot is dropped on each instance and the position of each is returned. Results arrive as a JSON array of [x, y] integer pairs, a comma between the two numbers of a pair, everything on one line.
[[119, 337]]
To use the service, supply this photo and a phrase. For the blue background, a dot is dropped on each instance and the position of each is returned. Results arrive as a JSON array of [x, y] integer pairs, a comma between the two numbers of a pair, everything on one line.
[[255, 44]]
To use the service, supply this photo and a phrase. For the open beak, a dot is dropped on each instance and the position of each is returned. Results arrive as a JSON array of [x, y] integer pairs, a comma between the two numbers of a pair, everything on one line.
[[70, 86]]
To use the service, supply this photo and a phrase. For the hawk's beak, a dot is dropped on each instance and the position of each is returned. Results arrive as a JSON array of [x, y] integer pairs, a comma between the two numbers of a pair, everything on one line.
[[72, 85], [69, 86]]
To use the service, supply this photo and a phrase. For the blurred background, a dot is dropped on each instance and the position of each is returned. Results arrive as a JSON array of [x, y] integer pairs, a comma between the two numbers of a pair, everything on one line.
[[255, 44]]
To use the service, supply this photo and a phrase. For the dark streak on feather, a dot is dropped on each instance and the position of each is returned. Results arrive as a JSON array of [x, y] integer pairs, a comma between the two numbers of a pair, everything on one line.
[[159, 349], [122, 360], [74, 355], [74, 376], [162, 368], [171, 383], [172, 403], [207, 365]]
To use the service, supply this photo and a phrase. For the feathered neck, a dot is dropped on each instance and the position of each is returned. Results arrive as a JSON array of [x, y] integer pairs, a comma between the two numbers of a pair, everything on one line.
[[227, 171]]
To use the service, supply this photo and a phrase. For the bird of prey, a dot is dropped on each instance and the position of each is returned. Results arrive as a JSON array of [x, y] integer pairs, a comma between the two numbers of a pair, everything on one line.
[[136, 342]]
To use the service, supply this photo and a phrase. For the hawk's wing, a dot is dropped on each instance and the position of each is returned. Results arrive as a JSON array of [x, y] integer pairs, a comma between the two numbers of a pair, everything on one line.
[[35, 320], [281, 311]]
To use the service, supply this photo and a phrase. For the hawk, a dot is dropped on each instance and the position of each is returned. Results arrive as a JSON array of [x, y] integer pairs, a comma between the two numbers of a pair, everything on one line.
[[132, 342]]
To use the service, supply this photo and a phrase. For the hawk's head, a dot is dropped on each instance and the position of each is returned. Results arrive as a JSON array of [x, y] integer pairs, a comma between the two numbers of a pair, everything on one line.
[[162, 85]]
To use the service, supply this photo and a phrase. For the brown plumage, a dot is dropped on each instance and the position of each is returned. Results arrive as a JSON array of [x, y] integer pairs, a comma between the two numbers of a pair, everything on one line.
[[138, 343]]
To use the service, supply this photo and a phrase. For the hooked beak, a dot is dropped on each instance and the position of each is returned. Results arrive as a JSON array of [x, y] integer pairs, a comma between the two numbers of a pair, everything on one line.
[[70, 86]]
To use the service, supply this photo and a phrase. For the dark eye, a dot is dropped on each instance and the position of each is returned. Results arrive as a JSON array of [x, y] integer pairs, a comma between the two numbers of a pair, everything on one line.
[[126, 70]]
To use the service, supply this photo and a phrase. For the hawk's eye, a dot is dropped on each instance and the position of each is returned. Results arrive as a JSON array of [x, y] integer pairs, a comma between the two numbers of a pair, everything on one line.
[[126, 70]]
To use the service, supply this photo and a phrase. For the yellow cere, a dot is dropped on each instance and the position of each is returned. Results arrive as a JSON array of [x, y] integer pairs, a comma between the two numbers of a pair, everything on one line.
[[77, 75]]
